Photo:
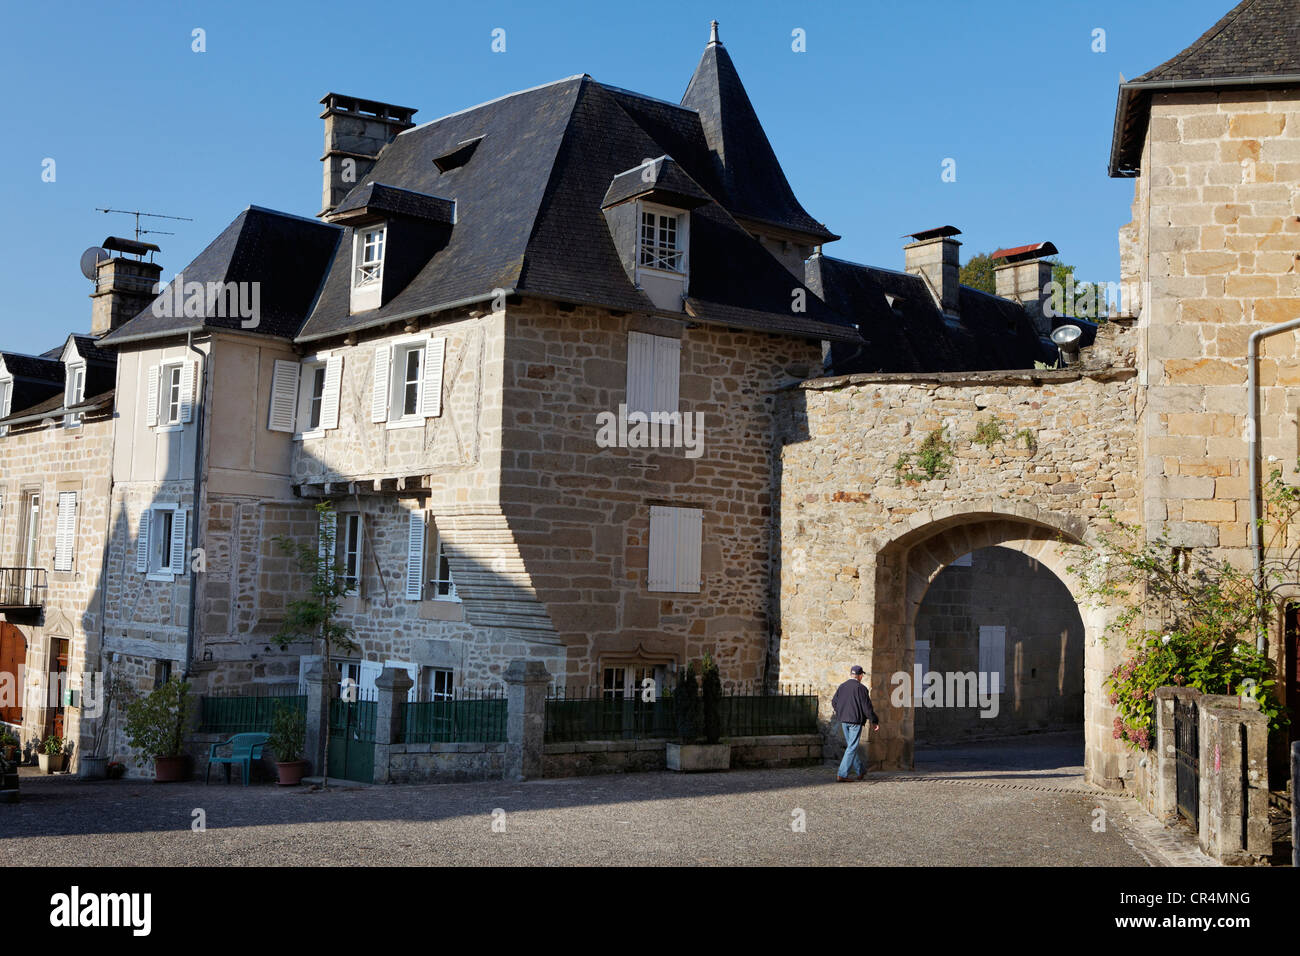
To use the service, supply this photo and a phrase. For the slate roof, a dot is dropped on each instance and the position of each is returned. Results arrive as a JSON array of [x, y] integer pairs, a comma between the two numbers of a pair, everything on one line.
[[35, 379], [662, 177], [913, 335], [1257, 40], [285, 254], [529, 214], [390, 200], [753, 184]]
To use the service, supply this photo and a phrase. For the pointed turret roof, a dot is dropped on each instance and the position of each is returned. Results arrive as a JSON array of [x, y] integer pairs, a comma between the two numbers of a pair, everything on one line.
[[755, 187]]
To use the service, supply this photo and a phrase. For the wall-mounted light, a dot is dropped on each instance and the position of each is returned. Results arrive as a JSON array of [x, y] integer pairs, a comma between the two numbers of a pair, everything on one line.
[[1067, 340]]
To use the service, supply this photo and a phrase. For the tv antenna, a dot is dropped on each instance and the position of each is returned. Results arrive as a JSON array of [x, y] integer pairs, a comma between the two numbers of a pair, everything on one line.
[[152, 215]]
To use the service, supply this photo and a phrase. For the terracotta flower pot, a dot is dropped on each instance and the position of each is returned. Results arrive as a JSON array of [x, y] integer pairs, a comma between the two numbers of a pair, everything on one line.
[[291, 773], [170, 769]]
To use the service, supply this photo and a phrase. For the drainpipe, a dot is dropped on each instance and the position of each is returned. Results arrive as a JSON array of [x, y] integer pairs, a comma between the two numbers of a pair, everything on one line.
[[199, 408], [1252, 430]]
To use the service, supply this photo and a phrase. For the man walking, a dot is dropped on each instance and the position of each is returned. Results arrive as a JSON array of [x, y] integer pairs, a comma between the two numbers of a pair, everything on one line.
[[852, 706]]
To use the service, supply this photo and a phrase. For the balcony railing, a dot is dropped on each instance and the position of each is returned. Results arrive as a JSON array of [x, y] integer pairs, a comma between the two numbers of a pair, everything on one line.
[[22, 588]]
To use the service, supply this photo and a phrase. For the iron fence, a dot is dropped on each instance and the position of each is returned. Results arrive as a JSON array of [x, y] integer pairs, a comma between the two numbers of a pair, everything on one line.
[[467, 717], [249, 713], [22, 587], [592, 714]]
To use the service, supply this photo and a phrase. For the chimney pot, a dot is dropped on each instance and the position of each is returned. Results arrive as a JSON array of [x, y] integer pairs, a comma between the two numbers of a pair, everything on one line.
[[355, 131], [124, 287], [935, 256], [1024, 278]]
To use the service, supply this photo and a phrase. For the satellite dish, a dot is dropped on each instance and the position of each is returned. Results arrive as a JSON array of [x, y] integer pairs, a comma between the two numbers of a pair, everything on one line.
[[1066, 336], [90, 260]]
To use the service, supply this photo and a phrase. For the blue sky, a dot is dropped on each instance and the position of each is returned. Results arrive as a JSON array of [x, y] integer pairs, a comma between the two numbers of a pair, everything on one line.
[[862, 121]]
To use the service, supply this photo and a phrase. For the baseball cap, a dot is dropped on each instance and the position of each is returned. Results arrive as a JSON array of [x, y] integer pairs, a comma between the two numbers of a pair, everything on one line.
[[856, 669]]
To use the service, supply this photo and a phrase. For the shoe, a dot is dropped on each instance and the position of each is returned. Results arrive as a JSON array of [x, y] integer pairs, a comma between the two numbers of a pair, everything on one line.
[[862, 776], [839, 779]]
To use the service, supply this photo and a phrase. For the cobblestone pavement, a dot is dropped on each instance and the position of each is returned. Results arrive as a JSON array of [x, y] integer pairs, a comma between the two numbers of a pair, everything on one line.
[[979, 805]]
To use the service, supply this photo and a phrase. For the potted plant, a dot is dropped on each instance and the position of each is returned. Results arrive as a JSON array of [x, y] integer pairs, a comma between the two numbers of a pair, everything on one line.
[[699, 722], [156, 725], [287, 741], [10, 745], [94, 765], [51, 756], [115, 770]]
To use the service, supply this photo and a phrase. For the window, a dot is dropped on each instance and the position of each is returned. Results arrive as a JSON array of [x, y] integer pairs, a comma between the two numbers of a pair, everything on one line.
[[162, 673], [169, 395], [407, 386], [6, 399], [654, 365], [993, 656], [370, 255], [75, 393], [348, 550], [659, 241], [437, 585], [305, 397], [675, 549], [161, 543], [65, 534], [438, 684]]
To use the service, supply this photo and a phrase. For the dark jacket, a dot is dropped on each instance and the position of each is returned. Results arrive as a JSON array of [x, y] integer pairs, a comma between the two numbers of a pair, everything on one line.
[[852, 703]]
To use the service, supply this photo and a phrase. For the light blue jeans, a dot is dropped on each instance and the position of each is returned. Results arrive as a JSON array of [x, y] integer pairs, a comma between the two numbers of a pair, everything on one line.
[[851, 762]]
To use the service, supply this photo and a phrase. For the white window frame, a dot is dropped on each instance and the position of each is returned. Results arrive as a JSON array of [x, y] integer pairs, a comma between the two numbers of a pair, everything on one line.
[[6, 400], [655, 251], [161, 545], [439, 683], [391, 377], [307, 373], [435, 555], [654, 373], [350, 538], [676, 550], [368, 272], [74, 393], [162, 396]]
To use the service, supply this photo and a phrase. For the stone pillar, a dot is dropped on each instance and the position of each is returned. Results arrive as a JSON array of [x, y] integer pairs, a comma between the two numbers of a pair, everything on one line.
[[318, 716], [525, 718], [1165, 751], [393, 685], [1234, 780]]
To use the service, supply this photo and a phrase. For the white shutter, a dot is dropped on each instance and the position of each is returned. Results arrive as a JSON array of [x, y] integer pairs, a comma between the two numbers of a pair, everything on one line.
[[663, 548], [142, 543], [284, 396], [415, 557], [435, 354], [640, 372], [65, 531], [179, 542], [993, 655], [411, 669], [667, 373], [379, 396], [689, 524], [151, 397], [369, 672], [920, 669], [189, 372], [329, 402]]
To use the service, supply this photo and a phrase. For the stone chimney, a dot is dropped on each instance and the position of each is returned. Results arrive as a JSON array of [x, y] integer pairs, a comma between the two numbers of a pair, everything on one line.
[[125, 283], [1023, 278], [355, 131], [935, 257]]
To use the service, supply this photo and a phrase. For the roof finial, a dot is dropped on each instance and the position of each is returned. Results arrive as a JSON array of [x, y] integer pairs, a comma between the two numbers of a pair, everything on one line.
[[713, 32]]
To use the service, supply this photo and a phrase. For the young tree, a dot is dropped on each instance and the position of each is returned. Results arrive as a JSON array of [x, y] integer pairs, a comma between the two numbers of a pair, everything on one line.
[[316, 616]]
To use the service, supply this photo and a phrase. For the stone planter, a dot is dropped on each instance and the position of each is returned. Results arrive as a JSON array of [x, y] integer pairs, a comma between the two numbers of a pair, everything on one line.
[[52, 763], [698, 758], [92, 768]]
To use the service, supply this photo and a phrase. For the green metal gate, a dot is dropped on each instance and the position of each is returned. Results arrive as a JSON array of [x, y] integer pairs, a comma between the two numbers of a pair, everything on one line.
[[352, 739]]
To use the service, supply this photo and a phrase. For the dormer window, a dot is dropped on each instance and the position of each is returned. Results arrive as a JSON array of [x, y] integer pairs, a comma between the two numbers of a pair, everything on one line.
[[661, 246], [370, 255], [74, 394]]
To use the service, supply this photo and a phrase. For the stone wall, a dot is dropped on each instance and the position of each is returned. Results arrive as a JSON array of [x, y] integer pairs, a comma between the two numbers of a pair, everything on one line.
[[1042, 686], [860, 543], [589, 757], [49, 458]]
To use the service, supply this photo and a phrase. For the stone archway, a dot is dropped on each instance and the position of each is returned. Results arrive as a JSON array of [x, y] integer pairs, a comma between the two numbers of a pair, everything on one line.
[[907, 562]]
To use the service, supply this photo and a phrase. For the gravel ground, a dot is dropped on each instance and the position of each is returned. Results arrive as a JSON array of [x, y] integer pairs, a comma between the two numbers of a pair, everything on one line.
[[979, 805]]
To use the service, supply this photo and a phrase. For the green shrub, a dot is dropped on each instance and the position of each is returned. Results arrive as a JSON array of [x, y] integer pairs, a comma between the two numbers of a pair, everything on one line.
[[288, 736], [52, 746], [686, 699], [711, 688], [156, 723]]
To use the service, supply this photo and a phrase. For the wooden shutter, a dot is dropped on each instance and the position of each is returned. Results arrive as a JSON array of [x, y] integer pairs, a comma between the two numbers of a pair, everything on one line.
[[369, 673], [284, 396], [151, 397], [142, 543], [640, 372], [379, 394], [415, 557], [435, 353], [189, 372], [667, 373], [993, 654], [180, 550], [65, 531], [329, 402], [689, 526], [920, 669]]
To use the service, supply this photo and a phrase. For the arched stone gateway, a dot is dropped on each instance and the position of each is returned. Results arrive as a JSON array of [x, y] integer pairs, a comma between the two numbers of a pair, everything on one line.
[[907, 563]]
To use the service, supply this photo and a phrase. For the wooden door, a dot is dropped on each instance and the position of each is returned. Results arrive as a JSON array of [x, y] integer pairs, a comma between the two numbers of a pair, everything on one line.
[[13, 654], [59, 679]]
